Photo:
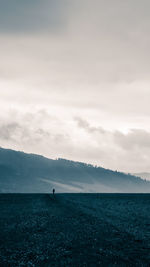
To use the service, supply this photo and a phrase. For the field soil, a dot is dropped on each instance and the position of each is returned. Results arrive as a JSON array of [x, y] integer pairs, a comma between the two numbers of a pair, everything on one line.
[[74, 230]]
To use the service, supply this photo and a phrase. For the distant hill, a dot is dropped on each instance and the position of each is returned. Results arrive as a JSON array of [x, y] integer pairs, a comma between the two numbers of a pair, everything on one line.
[[21, 172]]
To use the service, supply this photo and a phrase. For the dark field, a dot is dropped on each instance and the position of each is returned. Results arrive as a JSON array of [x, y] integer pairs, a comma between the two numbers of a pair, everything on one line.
[[75, 230]]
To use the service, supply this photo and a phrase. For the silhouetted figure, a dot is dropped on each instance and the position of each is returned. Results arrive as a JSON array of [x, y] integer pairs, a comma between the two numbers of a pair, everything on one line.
[[53, 191]]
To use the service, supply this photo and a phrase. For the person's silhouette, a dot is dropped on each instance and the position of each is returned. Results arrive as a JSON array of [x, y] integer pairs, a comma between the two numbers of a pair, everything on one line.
[[53, 191]]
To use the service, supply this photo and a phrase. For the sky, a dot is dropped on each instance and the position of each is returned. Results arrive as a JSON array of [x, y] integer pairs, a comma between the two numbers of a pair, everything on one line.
[[74, 80]]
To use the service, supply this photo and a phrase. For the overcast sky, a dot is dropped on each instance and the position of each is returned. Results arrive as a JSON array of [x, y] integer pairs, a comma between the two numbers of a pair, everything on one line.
[[75, 80]]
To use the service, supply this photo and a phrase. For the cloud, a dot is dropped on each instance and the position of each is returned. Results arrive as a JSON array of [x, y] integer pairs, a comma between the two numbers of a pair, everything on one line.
[[118, 149], [28, 16], [76, 139], [31, 132], [8, 130], [135, 139], [74, 80], [85, 125]]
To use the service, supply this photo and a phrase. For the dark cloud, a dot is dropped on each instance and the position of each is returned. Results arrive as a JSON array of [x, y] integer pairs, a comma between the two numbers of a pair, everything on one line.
[[21, 132], [27, 16], [7, 131], [115, 149], [29, 130], [135, 139], [85, 125]]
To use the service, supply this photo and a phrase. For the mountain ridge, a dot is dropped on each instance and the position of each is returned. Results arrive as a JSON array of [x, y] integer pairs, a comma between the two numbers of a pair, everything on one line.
[[25, 173]]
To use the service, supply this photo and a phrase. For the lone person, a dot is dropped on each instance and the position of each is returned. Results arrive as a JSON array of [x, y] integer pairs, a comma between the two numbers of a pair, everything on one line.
[[53, 191]]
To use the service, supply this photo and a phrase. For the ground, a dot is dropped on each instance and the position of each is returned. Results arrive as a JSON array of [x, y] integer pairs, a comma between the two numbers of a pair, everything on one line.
[[75, 230]]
